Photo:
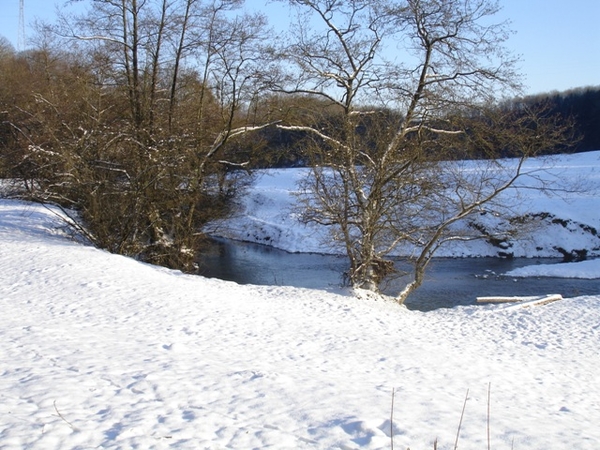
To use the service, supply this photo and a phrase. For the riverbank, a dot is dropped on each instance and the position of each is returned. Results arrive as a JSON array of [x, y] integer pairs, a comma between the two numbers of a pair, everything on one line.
[[562, 222]]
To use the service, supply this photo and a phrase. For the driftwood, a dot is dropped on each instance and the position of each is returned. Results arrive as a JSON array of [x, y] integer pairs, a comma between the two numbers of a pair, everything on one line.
[[522, 301]]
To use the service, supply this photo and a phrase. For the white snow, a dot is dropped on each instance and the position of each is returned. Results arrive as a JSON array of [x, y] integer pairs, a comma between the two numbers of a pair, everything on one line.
[[101, 351], [267, 214], [583, 269]]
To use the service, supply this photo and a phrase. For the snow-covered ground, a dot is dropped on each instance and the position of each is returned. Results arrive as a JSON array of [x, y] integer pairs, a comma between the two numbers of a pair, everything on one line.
[[101, 351], [565, 220]]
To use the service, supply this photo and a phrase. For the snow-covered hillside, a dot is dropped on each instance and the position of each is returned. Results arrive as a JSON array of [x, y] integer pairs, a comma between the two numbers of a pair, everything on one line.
[[101, 351], [559, 223]]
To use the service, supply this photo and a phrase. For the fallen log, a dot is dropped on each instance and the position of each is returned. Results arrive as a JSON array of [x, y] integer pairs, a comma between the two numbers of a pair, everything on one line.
[[505, 299], [522, 301]]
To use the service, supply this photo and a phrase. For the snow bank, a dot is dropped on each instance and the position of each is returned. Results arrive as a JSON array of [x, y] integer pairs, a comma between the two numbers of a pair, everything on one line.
[[100, 351], [561, 223], [584, 269]]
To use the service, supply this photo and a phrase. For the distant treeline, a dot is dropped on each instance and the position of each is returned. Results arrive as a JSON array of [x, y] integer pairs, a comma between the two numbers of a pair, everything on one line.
[[582, 105]]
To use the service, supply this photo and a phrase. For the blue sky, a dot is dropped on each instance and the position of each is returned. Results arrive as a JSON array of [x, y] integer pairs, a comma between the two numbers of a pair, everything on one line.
[[558, 40]]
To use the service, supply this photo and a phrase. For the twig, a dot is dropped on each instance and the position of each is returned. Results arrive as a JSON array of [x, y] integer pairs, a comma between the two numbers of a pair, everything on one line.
[[392, 420], [71, 222], [462, 414], [488, 415], [73, 427]]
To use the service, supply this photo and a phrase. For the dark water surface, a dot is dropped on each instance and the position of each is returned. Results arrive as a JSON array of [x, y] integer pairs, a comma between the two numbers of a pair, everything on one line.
[[449, 281]]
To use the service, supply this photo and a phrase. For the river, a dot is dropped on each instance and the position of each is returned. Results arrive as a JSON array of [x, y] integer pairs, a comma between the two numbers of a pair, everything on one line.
[[449, 281]]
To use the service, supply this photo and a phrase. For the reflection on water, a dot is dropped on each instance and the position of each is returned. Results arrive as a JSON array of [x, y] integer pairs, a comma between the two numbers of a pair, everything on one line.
[[247, 263], [448, 282]]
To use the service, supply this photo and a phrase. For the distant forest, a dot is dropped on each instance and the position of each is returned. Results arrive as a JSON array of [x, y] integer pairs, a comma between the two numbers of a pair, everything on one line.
[[583, 106], [580, 106]]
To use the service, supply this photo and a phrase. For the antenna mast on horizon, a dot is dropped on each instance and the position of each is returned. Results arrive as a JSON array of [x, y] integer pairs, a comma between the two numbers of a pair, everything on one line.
[[21, 32]]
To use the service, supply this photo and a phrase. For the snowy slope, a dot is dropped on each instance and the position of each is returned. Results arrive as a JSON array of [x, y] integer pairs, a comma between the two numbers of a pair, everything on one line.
[[100, 351], [566, 220]]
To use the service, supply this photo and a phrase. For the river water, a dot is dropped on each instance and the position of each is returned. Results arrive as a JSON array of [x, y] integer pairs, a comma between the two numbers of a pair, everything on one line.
[[449, 281]]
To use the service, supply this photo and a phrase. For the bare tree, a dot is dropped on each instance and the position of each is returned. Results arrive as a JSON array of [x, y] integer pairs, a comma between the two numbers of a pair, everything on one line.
[[412, 87], [144, 148]]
